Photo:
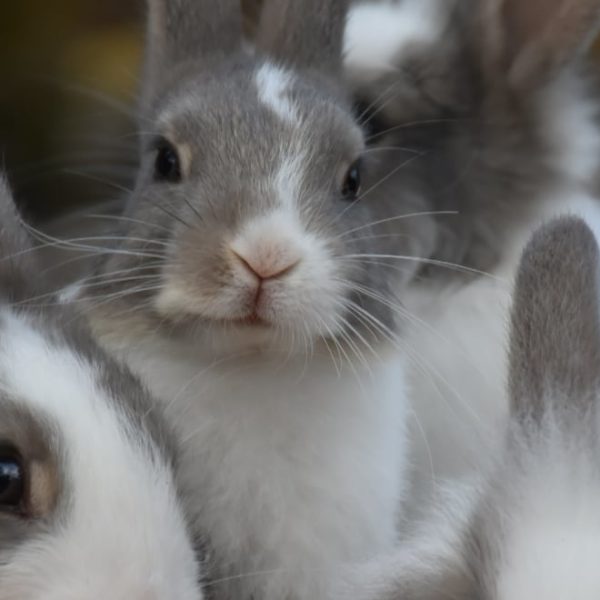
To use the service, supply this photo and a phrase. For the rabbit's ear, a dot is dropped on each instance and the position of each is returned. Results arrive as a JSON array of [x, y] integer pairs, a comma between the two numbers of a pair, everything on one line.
[[555, 336], [531, 40], [304, 33], [183, 30], [18, 267]]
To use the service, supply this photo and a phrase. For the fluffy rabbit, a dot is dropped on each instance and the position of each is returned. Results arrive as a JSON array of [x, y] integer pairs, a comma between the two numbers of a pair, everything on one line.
[[88, 505], [242, 296], [532, 529], [497, 96]]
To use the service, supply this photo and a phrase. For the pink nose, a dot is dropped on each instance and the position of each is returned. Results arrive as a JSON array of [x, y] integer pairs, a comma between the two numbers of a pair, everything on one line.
[[271, 269]]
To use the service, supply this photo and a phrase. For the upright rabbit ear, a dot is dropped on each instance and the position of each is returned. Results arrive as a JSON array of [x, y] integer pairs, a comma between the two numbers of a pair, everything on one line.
[[304, 33], [18, 267], [184, 30], [555, 337], [532, 40]]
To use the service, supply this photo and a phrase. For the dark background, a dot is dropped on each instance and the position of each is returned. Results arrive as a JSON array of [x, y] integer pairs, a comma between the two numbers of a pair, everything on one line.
[[68, 81], [69, 76]]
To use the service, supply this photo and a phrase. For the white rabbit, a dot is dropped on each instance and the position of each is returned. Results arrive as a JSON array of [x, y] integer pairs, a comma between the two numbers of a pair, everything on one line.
[[89, 508]]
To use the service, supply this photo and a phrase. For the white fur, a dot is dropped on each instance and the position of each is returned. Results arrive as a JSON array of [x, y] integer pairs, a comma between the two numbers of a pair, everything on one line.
[[378, 33], [308, 302], [123, 536], [70, 293], [272, 83], [552, 542], [288, 181], [297, 468], [460, 340], [296, 463], [571, 116]]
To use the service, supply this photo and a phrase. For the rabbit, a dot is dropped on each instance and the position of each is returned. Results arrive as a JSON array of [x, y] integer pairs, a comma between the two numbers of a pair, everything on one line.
[[89, 508], [241, 296], [500, 98], [529, 527]]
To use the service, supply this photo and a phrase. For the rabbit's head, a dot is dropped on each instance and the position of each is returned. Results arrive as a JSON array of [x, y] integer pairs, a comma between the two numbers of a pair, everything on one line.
[[253, 210]]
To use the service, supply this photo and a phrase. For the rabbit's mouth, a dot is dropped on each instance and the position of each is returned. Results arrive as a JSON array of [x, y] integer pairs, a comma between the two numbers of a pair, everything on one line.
[[253, 320]]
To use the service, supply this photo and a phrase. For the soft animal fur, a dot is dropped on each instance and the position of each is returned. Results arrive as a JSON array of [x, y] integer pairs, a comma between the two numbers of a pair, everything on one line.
[[532, 529], [496, 94], [245, 295], [88, 504]]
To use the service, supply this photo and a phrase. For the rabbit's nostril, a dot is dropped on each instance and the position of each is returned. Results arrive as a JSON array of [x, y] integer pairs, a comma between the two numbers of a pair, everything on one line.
[[275, 268]]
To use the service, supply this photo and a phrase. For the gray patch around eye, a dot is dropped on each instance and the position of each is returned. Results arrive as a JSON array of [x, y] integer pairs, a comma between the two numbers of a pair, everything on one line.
[[36, 438]]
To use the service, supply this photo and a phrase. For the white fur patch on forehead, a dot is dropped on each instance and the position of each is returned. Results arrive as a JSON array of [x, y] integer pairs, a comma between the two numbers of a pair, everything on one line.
[[378, 32], [273, 83], [288, 180]]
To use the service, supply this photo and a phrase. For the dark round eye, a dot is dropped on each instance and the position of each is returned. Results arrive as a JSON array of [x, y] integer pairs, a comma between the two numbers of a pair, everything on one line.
[[167, 166], [351, 186], [12, 482]]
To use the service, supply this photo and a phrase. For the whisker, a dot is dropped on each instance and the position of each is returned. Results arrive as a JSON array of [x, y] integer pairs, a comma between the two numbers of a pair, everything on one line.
[[413, 124], [429, 261], [381, 181], [398, 218], [121, 218]]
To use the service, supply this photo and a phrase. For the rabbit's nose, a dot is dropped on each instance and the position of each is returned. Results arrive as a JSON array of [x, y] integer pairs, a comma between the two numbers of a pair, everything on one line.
[[268, 247], [267, 266]]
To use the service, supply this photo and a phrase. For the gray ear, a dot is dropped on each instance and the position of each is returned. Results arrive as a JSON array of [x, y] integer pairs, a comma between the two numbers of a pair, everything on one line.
[[183, 30], [18, 267], [555, 337], [531, 40], [304, 33]]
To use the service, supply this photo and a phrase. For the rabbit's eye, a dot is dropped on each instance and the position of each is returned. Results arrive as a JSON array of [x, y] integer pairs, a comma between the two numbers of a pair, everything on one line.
[[12, 485], [351, 187], [167, 166]]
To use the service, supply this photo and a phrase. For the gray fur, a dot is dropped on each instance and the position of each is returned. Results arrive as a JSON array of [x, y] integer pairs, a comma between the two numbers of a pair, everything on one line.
[[311, 36], [17, 258], [237, 143], [555, 341], [20, 283], [553, 435], [475, 102], [36, 436], [36, 439], [183, 30]]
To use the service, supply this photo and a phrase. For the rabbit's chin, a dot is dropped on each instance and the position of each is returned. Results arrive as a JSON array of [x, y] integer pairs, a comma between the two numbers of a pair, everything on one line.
[[252, 335]]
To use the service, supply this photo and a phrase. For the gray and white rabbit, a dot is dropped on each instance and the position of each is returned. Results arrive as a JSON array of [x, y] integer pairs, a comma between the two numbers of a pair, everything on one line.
[[530, 528], [88, 504], [498, 97], [241, 296]]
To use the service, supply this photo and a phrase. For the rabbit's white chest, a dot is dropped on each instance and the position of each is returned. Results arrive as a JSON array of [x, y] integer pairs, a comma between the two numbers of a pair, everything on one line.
[[294, 470]]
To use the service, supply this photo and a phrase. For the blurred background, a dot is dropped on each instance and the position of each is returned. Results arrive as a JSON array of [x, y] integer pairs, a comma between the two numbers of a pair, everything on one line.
[[69, 81], [69, 78], [68, 70]]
